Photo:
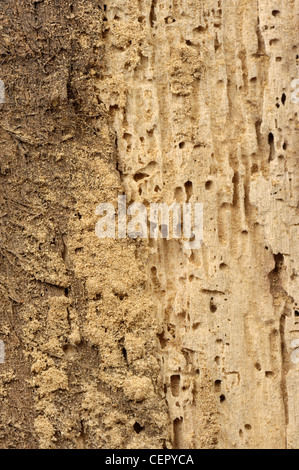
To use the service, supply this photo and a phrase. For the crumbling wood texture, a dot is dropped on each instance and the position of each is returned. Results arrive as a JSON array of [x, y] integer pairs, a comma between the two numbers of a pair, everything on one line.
[[141, 343]]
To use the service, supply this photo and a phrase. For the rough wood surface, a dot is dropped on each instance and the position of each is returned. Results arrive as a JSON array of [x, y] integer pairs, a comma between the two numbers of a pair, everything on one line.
[[141, 343]]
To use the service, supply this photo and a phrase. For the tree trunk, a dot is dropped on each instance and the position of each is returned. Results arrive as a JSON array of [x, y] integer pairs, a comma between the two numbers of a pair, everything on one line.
[[144, 343]]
